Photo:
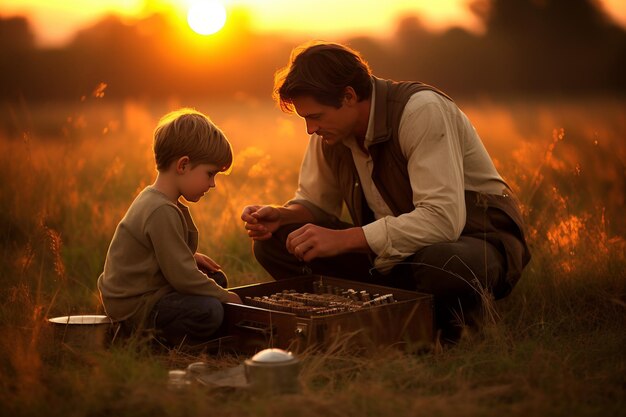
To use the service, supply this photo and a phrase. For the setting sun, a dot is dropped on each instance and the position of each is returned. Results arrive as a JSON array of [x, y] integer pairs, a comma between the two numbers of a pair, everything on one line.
[[206, 17]]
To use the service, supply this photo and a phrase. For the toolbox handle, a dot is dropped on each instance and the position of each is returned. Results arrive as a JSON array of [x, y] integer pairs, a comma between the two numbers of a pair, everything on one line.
[[256, 327]]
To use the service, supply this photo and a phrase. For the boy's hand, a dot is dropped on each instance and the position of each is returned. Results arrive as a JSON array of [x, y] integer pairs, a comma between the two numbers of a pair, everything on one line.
[[206, 263], [233, 298]]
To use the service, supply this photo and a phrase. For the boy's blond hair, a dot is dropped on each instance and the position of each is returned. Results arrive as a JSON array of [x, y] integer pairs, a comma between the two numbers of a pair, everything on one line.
[[187, 132]]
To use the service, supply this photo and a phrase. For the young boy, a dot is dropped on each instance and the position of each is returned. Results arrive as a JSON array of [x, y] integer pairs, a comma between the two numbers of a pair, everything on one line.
[[153, 277]]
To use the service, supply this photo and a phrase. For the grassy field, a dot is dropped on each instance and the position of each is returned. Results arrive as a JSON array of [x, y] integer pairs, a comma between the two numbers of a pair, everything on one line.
[[68, 171]]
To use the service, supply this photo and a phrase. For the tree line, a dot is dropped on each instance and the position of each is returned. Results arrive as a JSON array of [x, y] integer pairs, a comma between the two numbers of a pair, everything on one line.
[[530, 47]]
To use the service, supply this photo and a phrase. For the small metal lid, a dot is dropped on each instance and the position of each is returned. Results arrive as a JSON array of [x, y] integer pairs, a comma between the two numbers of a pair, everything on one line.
[[274, 356]]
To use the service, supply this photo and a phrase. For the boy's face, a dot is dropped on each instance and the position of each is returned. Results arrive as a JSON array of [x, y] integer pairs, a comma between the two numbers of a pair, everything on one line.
[[197, 180]]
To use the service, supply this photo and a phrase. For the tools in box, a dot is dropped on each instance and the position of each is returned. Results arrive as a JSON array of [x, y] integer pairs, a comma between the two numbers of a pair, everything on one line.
[[315, 311]]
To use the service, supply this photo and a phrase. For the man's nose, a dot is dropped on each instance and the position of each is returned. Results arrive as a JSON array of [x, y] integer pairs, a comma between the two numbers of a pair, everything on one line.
[[311, 127]]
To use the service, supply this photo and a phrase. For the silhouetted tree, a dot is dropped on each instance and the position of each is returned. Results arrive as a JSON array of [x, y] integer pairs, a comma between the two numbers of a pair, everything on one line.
[[15, 34], [529, 47], [559, 45], [16, 49]]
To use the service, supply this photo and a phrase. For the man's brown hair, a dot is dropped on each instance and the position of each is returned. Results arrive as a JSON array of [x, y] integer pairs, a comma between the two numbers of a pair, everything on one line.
[[322, 71]]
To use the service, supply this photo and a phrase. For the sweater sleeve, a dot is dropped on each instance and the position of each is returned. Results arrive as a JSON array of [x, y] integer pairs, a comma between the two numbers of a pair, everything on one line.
[[165, 230]]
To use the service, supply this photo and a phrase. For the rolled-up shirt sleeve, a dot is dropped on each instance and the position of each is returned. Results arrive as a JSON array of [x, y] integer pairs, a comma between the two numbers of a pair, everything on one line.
[[317, 184], [432, 147]]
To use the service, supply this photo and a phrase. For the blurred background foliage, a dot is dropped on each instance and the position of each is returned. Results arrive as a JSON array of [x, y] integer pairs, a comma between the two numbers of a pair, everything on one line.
[[529, 47]]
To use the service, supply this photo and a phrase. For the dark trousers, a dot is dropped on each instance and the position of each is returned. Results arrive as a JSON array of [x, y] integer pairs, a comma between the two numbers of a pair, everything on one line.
[[190, 319], [459, 274], [183, 318]]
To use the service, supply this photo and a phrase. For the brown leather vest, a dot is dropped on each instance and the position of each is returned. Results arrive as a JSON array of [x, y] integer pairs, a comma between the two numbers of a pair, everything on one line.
[[496, 218]]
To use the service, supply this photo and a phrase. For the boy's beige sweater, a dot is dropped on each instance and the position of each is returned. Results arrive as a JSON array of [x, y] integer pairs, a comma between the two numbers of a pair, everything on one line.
[[150, 255]]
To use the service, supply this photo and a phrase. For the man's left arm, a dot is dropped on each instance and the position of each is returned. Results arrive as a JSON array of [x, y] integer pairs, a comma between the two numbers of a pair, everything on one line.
[[434, 155]]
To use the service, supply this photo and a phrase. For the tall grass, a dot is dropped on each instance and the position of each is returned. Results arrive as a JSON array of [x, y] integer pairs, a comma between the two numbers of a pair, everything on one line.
[[69, 171]]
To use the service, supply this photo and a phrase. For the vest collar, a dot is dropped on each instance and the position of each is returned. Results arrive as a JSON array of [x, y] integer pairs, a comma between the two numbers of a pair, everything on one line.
[[382, 130]]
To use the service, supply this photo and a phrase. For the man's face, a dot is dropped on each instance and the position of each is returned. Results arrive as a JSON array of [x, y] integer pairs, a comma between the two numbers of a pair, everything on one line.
[[332, 124]]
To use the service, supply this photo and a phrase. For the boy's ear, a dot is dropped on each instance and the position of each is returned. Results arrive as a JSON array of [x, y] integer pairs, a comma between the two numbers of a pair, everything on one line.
[[182, 164]]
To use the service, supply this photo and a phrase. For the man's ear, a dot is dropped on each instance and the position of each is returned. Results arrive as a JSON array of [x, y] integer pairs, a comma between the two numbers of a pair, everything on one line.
[[182, 164], [349, 96]]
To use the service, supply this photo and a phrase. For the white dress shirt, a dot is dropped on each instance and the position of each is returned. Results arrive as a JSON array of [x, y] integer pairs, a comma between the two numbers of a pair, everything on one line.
[[445, 157]]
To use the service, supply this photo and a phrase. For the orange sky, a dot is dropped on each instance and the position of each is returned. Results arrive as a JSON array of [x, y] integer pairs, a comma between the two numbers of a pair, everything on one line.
[[54, 22]]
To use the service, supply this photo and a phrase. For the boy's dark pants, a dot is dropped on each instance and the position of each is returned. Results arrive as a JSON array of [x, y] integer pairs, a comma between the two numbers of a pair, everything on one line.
[[190, 319], [456, 273]]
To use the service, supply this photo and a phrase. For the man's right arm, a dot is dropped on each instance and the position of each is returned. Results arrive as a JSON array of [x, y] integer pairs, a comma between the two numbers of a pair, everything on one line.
[[295, 213]]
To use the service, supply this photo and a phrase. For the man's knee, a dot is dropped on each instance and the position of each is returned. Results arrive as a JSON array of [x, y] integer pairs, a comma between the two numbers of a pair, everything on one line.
[[272, 254], [269, 254], [463, 266], [265, 250], [261, 250], [441, 254]]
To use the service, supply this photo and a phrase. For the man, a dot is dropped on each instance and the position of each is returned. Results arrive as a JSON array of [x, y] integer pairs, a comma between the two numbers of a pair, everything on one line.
[[429, 210]]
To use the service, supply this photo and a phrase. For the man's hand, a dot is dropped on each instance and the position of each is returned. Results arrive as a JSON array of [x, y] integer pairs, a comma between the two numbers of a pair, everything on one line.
[[233, 298], [261, 221], [311, 241], [206, 263]]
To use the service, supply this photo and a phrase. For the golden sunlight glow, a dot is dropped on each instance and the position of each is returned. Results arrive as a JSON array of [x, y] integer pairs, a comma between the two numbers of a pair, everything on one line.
[[315, 19], [206, 17], [353, 17]]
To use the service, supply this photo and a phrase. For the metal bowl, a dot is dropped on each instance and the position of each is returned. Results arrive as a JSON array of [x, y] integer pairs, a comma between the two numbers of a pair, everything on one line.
[[86, 331], [273, 371]]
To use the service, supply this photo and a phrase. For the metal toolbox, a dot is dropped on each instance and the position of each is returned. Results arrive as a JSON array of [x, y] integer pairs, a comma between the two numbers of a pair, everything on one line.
[[406, 321]]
